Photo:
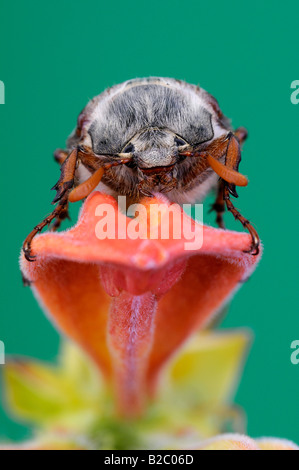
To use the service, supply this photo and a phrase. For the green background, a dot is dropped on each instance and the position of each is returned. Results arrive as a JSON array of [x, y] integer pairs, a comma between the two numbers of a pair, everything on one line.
[[57, 55]]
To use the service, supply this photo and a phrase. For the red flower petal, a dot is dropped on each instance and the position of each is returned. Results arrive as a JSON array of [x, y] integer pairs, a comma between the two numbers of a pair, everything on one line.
[[158, 292]]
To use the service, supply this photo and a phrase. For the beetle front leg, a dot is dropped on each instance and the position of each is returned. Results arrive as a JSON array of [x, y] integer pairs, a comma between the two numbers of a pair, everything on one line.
[[66, 180], [60, 156], [56, 214], [232, 161], [66, 193], [63, 188], [254, 250]]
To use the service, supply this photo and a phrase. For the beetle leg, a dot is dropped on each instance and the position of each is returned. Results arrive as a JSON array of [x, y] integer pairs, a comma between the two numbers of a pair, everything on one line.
[[142, 190], [219, 205], [60, 218], [254, 250], [228, 147], [170, 186], [64, 194], [59, 210], [60, 156], [232, 161], [66, 180], [241, 134], [63, 187], [229, 177]]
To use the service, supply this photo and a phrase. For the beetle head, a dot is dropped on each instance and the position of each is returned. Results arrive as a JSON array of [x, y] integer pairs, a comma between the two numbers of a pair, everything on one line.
[[154, 148]]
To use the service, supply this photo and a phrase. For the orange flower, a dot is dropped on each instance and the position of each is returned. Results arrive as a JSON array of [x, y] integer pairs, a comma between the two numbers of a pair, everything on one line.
[[221, 442], [239, 442], [130, 304]]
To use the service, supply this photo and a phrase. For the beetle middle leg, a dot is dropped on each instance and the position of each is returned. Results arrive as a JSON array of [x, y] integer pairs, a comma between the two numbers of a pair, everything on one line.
[[60, 157], [63, 215], [241, 133], [219, 205]]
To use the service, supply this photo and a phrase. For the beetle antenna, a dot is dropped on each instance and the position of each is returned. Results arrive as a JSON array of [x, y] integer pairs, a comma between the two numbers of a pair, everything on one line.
[[227, 174]]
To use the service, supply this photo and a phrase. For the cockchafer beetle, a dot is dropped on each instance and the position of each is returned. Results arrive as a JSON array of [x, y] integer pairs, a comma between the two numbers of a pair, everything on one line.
[[148, 136]]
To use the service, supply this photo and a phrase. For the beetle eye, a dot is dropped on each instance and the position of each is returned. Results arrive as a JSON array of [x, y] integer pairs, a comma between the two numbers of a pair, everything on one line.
[[179, 141], [129, 148]]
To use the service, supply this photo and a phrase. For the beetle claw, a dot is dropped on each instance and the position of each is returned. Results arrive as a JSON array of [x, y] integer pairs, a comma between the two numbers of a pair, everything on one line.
[[255, 246], [28, 255]]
